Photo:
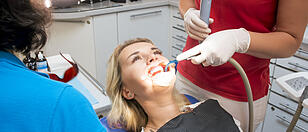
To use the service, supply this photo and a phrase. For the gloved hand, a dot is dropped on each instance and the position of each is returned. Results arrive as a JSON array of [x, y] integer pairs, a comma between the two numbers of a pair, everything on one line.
[[218, 48], [195, 27]]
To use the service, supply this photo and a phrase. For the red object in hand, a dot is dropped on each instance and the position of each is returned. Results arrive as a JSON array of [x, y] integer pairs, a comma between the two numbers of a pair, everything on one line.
[[69, 73]]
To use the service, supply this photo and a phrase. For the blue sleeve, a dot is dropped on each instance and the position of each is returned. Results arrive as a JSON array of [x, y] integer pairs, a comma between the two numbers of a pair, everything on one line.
[[74, 113]]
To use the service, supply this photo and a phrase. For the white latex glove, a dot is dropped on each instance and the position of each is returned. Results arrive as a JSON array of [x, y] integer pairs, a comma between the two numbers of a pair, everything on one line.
[[195, 27], [218, 48]]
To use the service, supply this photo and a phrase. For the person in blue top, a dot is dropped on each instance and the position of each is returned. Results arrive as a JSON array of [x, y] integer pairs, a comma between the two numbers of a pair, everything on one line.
[[30, 101]]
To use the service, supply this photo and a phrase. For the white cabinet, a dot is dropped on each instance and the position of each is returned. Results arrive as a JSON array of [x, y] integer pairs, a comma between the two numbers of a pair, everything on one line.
[[106, 40], [178, 34], [91, 40], [76, 38], [151, 23]]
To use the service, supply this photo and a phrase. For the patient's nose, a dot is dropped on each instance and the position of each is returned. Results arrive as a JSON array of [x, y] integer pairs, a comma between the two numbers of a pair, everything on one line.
[[151, 58]]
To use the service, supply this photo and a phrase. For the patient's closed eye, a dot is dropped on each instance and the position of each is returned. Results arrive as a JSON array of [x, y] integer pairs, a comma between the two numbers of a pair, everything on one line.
[[137, 57]]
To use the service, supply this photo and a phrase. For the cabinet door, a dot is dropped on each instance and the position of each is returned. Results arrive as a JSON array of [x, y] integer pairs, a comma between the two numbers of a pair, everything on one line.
[[151, 23], [74, 37], [105, 32]]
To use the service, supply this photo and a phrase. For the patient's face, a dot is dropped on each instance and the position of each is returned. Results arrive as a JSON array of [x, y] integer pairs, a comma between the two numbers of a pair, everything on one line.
[[140, 63]]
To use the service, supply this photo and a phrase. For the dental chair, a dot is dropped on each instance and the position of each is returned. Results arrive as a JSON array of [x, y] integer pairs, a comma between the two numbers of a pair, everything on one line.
[[104, 122]]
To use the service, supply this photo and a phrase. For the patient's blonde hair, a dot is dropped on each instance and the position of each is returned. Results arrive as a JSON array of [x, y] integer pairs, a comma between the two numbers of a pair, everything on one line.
[[127, 114]]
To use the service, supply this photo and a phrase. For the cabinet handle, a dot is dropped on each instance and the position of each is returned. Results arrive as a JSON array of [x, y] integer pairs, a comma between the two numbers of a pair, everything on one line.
[[179, 45], [182, 37], [72, 21], [145, 14], [179, 25], [298, 65], [301, 50], [176, 48], [178, 18], [285, 120], [286, 106], [179, 29], [302, 54], [179, 39]]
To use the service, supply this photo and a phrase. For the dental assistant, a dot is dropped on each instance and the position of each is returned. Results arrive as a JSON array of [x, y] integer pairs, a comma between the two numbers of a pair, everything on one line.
[[252, 32], [30, 101]]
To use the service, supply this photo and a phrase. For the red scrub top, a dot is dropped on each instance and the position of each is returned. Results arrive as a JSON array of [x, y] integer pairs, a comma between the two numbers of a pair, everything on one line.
[[224, 80]]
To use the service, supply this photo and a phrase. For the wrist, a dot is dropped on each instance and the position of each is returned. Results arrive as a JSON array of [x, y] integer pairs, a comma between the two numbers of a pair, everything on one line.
[[243, 40], [188, 12]]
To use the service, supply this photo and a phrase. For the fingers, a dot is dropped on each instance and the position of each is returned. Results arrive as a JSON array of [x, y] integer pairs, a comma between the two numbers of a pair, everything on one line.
[[211, 20], [198, 29], [201, 58], [196, 32], [195, 27], [189, 53], [197, 21], [196, 37]]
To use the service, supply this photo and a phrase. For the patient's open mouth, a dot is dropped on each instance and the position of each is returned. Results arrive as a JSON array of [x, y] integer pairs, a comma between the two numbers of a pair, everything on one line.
[[156, 69]]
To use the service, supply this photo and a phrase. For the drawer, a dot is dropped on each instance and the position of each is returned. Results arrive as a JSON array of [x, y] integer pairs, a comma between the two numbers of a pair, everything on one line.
[[175, 51], [277, 120], [281, 71], [176, 47], [301, 53], [287, 106], [178, 25], [178, 39], [293, 63], [175, 12], [179, 34]]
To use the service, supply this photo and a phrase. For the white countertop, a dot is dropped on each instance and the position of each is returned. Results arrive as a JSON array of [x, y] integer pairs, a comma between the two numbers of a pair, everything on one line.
[[126, 7]]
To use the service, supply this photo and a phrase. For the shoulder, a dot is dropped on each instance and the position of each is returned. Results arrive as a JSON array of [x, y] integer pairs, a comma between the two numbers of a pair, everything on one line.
[[75, 111]]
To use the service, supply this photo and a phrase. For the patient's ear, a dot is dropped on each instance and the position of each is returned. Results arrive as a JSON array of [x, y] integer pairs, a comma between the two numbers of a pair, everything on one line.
[[127, 94]]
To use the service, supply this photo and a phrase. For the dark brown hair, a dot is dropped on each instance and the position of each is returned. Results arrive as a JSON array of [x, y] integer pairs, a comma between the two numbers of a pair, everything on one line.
[[23, 25]]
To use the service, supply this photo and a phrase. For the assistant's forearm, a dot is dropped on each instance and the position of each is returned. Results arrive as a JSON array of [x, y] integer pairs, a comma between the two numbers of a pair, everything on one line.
[[290, 27], [273, 45], [184, 5]]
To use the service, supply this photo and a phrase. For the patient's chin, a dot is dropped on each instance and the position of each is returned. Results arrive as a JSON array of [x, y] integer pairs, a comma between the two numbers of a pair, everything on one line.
[[163, 80]]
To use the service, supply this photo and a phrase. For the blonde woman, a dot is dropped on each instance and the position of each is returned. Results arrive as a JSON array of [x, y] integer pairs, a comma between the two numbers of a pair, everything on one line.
[[143, 97]]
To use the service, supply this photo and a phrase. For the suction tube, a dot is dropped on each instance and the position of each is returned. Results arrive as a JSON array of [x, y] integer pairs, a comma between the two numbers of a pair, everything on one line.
[[248, 91]]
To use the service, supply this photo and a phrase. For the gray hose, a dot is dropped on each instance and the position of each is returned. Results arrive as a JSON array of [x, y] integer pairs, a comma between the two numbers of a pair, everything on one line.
[[248, 91], [295, 117], [298, 110]]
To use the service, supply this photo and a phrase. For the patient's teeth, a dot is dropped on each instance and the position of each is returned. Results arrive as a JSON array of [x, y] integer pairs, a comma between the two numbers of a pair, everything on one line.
[[156, 69]]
